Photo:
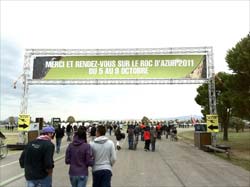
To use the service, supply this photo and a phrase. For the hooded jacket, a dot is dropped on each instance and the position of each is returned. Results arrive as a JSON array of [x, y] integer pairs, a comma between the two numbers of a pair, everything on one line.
[[37, 158], [104, 153], [79, 156]]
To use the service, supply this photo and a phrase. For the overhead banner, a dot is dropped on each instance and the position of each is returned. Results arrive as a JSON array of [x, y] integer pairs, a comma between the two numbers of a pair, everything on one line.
[[120, 67]]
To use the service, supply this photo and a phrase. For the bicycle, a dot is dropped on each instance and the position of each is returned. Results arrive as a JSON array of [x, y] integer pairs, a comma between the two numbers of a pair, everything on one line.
[[3, 147], [173, 137], [3, 151]]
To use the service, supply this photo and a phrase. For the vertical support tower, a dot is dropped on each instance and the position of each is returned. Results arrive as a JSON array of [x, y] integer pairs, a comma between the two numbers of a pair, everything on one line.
[[211, 83], [26, 69]]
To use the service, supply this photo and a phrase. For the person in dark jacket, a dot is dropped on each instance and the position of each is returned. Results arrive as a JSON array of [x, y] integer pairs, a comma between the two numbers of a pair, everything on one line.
[[37, 159], [79, 156], [118, 135], [59, 135], [93, 132], [153, 135], [69, 132], [131, 138]]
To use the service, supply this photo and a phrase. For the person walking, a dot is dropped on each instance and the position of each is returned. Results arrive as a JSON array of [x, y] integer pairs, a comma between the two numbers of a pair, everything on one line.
[[168, 131], [79, 156], [37, 159], [147, 138], [69, 132], [131, 137], [105, 157], [93, 132], [118, 135], [142, 128], [136, 137], [158, 130], [153, 135], [59, 135], [173, 134], [110, 129]]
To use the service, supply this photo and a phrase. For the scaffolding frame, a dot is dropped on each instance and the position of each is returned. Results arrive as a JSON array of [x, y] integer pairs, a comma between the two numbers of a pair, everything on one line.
[[30, 54]]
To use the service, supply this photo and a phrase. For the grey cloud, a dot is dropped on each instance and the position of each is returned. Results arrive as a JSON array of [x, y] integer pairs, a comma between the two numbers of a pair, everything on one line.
[[10, 69]]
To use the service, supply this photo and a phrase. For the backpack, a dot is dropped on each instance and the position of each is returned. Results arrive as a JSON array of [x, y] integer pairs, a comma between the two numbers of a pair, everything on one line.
[[130, 132], [137, 130], [68, 128], [123, 135]]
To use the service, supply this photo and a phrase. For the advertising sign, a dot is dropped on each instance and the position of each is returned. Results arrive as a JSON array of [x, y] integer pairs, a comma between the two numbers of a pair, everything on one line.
[[120, 67]]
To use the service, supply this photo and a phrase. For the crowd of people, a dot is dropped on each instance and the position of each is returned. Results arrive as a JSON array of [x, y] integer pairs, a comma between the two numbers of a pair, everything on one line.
[[98, 151], [149, 133], [10, 127], [38, 163]]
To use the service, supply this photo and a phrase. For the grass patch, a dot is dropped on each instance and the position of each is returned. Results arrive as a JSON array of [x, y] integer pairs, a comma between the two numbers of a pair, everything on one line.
[[11, 136], [187, 136], [239, 143], [11, 139], [3, 130]]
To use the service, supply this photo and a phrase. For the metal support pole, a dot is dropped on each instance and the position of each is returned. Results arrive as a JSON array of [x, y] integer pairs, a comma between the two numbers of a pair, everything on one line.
[[212, 96], [212, 92], [211, 83], [24, 101], [26, 69]]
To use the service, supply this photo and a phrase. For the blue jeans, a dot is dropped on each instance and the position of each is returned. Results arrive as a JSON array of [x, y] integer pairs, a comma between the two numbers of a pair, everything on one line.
[[45, 182], [131, 143], [68, 136], [58, 144], [152, 145], [78, 181], [102, 178]]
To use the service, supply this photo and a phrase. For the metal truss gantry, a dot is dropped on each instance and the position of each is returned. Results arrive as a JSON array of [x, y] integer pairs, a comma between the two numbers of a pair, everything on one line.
[[30, 54]]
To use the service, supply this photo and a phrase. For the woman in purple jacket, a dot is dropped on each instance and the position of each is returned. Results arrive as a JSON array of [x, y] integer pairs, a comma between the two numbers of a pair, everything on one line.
[[79, 156]]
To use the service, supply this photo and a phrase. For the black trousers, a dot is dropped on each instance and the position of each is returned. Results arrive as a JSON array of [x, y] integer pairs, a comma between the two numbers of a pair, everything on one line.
[[147, 143], [102, 178]]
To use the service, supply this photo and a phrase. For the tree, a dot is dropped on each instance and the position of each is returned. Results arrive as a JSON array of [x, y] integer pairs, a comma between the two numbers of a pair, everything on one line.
[[237, 123], [224, 105], [238, 59], [233, 90], [202, 99], [145, 120], [12, 120], [71, 119], [222, 100]]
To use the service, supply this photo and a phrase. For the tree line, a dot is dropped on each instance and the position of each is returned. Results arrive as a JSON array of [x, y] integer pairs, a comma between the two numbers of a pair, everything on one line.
[[232, 89]]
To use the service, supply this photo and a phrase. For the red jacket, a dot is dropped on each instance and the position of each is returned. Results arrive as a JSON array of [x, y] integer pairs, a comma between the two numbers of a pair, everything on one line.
[[146, 135], [158, 127], [142, 126]]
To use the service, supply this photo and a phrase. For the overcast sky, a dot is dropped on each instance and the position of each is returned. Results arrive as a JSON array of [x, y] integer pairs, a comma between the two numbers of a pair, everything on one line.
[[112, 24]]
